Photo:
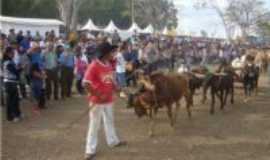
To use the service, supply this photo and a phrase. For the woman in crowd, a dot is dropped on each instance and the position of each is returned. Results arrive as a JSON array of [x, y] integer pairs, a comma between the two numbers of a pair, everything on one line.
[[80, 67], [11, 78], [121, 70]]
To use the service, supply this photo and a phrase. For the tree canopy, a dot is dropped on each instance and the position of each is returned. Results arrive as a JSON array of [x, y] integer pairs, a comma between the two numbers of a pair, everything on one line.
[[242, 14], [160, 13]]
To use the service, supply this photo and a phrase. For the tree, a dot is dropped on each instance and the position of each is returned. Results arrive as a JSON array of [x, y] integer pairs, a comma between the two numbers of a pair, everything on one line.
[[220, 9], [68, 11], [204, 34], [263, 30], [102, 11], [243, 14], [30, 8], [160, 13], [246, 14]]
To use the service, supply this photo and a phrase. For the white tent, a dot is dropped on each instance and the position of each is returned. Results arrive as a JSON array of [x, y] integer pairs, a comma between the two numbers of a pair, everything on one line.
[[90, 26], [31, 24], [111, 27], [165, 31], [149, 29], [134, 27]]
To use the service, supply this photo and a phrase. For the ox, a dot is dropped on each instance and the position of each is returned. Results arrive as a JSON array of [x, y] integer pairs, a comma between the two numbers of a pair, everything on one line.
[[221, 84], [160, 90]]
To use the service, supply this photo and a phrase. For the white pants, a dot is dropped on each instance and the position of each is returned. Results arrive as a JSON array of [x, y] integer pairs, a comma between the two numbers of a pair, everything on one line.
[[99, 111]]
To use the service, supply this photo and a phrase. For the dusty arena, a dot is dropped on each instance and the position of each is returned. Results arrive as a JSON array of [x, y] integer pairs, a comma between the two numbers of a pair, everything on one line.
[[242, 131]]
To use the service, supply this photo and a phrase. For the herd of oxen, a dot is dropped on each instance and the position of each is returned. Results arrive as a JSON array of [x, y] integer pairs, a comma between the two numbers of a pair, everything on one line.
[[166, 89]]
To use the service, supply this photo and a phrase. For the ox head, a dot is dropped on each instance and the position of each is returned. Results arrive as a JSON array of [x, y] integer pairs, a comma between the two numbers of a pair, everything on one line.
[[143, 84], [137, 99], [134, 101]]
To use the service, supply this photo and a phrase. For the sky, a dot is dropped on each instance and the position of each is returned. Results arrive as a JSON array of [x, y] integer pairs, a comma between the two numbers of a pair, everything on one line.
[[192, 20]]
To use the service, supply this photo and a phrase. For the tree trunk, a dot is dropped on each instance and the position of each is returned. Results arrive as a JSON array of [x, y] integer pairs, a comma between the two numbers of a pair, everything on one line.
[[65, 12], [74, 17], [226, 27]]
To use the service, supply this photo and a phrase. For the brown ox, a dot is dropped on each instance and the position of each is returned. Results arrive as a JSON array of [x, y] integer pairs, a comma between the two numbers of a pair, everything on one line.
[[160, 90]]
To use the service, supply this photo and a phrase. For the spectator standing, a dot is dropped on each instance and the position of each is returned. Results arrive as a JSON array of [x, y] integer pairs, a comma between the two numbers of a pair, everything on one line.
[[37, 76], [115, 38], [12, 36], [28, 35], [66, 61], [19, 37], [80, 67], [37, 37], [22, 63], [35, 55], [51, 70], [10, 78], [121, 70], [131, 58]]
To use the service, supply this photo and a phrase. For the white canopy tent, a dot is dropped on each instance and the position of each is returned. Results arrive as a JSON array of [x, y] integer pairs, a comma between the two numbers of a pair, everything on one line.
[[90, 26], [134, 27], [111, 27], [31, 24], [148, 30], [165, 31]]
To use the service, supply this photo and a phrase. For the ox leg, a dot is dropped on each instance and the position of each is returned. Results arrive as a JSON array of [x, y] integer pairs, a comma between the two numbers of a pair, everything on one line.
[[212, 110], [169, 112], [204, 95], [245, 91], [176, 111], [226, 97], [189, 99], [152, 123], [256, 87], [221, 98], [192, 91], [232, 94]]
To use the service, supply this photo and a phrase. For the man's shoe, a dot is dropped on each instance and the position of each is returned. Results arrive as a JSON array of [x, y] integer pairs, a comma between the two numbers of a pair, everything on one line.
[[120, 144], [36, 110], [16, 120], [122, 95], [90, 156]]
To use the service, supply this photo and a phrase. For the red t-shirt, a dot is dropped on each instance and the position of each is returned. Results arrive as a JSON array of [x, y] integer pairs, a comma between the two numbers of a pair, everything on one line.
[[100, 77]]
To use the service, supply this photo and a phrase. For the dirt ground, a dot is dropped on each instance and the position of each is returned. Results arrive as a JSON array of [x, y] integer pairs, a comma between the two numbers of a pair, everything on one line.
[[241, 132]]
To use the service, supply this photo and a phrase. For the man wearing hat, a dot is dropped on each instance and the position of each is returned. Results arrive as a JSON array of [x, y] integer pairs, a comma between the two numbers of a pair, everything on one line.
[[98, 81]]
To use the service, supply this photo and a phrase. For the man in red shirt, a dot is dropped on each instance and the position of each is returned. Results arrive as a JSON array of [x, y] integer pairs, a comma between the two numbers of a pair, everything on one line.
[[98, 81]]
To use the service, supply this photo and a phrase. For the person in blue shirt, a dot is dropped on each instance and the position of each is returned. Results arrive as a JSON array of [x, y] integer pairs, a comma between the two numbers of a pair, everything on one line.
[[37, 79], [25, 43], [20, 37], [35, 56], [66, 62]]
